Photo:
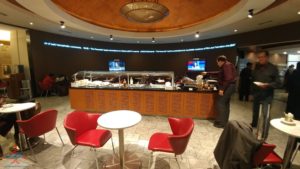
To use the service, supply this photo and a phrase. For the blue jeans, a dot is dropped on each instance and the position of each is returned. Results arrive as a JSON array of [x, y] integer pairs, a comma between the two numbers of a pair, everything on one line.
[[265, 102]]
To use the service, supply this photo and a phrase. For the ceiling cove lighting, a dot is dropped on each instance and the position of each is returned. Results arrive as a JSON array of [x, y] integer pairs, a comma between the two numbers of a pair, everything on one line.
[[69, 46], [144, 11], [62, 25], [197, 35], [111, 37], [153, 40], [250, 13]]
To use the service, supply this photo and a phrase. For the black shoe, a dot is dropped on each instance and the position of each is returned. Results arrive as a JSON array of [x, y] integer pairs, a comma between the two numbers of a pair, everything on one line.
[[218, 125]]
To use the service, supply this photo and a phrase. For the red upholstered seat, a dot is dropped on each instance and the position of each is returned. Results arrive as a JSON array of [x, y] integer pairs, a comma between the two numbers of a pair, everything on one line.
[[175, 142], [38, 125], [82, 130], [266, 155]]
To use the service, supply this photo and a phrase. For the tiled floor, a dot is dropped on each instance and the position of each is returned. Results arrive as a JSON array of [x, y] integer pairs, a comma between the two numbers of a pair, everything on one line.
[[199, 154]]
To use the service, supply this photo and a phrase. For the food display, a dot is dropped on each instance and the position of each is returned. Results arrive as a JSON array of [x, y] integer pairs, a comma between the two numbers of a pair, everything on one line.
[[124, 79]]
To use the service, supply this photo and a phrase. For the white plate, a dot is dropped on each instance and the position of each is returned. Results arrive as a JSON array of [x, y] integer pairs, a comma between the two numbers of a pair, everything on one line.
[[7, 105], [292, 123]]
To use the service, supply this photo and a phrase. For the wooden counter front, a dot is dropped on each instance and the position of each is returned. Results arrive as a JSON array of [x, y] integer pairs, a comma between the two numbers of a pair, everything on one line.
[[164, 103]]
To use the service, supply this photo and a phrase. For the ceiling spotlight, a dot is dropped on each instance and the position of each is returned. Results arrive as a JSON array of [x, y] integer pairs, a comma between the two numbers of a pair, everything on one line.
[[31, 23], [285, 53], [298, 12], [250, 13], [92, 37], [298, 51], [235, 30], [111, 37], [62, 25], [181, 40], [153, 40], [137, 41], [1, 44], [197, 35]]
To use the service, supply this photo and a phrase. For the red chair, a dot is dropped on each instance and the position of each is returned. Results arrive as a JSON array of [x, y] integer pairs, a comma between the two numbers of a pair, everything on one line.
[[38, 125], [176, 142], [81, 128], [266, 155], [44, 88]]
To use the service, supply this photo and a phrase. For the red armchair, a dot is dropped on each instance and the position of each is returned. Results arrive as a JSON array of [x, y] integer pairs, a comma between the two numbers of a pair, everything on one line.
[[81, 128], [266, 155], [38, 125], [176, 142]]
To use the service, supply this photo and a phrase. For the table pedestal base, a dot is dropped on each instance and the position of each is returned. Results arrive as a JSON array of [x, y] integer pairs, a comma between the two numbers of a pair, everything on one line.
[[290, 148], [131, 161]]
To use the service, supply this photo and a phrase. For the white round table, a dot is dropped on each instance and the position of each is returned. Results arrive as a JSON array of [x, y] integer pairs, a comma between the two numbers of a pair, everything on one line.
[[18, 108], [293, 131], [119, 120]]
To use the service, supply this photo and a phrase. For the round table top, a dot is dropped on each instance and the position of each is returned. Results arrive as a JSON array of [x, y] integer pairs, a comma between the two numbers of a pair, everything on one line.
[[292, 130], [119, 119], [16, 107]]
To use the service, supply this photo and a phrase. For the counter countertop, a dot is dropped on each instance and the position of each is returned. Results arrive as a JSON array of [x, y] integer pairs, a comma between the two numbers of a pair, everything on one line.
[[143, 89]]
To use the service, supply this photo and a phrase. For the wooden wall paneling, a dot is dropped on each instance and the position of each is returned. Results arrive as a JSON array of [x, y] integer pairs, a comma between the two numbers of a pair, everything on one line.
[[191, 104], [89, 100], [135, 101], [148, 102], [124, 100], [100, 98], [176, 104], [112, 100], [163, 103]]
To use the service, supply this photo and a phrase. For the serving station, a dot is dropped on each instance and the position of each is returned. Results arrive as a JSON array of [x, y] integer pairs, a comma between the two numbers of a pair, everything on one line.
[[150, 93]]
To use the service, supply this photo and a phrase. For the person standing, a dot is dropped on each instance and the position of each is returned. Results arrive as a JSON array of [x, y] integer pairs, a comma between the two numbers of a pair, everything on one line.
[[293, 87], [245, 82], [266, 78], [287, 76], [226, 84]]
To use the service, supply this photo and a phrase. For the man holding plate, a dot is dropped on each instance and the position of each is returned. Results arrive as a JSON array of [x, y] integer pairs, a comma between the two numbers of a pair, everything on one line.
[[266, 78]]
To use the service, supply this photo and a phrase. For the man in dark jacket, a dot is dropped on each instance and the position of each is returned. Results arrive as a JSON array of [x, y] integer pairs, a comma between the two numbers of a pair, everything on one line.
[[245, 82], [266, 78], [226, 82], [293, 87]]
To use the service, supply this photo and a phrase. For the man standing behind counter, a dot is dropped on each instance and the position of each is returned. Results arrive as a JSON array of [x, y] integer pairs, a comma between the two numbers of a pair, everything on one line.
[[226, 81], [266, 78]]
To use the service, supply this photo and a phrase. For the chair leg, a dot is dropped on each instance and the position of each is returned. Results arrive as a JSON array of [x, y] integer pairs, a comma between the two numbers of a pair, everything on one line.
[[97, 164], [20, 142], [177, 161], [112, 144], [32, 152], [295, 153], [59, 136], [72, 151], [150, 160]]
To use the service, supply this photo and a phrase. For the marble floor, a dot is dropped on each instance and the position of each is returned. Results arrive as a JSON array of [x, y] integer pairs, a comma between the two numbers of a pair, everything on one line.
[[199, 153]]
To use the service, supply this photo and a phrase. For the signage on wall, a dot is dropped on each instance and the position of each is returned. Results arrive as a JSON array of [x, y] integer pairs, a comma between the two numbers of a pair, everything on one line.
[[53, 44]]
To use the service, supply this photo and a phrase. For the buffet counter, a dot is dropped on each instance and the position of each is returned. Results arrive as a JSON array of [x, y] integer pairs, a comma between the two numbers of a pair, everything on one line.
[[175, 103]]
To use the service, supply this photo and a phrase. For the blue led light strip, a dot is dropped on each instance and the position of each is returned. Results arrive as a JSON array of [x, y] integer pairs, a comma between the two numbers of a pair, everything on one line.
[[231, 45]]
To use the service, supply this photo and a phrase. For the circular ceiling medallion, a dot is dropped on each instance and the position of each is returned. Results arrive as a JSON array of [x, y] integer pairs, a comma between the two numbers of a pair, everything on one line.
[[144, 12], [182, 14]]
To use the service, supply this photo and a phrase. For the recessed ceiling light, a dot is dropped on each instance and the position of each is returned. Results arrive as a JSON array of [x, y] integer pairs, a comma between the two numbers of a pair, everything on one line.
[[298, 12], [235, 30], [137, 41], [197, 35], [181, 40], [1, 44], [62, 25], [298, 51], [31, 23], [111, 37], [250, 13], [92, 37], [285, 53], [153, 40]]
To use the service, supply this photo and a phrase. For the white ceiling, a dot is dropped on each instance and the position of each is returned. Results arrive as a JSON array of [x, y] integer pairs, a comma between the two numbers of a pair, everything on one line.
[[47, 19]]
